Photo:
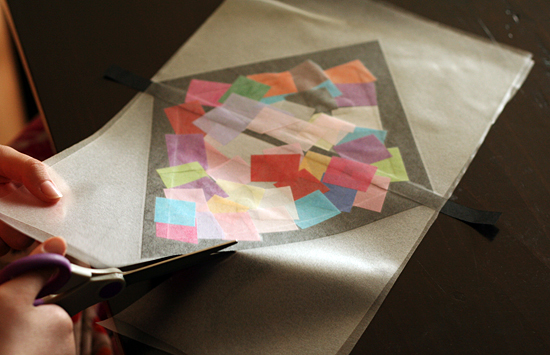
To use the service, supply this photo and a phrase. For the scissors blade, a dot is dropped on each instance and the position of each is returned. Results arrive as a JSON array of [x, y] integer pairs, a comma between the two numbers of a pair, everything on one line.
[[171, 264]]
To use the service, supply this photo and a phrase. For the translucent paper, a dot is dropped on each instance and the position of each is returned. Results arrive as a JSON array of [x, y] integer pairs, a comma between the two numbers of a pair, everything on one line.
[[301, 297], [319, 296]]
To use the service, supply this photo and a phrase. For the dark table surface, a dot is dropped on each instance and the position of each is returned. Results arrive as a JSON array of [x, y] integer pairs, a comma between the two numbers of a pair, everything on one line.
[[461, 292]]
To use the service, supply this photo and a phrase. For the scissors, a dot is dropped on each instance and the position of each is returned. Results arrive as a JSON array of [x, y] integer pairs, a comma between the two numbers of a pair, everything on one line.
[[76, 288]]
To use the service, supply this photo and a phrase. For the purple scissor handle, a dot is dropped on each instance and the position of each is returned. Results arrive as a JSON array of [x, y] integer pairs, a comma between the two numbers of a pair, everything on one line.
[[37, 262], [75, 288]]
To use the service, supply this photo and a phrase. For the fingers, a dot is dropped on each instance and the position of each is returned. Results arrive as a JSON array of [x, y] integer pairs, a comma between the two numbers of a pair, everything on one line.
[[20, 168], [31, 172], [27, 285], [55, 245]]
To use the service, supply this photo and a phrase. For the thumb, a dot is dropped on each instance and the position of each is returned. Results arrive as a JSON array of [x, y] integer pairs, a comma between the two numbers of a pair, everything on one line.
[[29, 284], [32, 173]]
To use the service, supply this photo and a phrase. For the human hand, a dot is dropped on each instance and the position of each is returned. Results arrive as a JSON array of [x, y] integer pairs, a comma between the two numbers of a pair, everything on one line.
[[16, 169], [26, 329]]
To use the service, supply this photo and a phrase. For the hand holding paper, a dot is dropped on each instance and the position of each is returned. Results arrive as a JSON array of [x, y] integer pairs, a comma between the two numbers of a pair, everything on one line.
[[15, 169]]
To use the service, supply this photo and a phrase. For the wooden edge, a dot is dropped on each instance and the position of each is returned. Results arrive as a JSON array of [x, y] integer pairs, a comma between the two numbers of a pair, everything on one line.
[[9, 19]]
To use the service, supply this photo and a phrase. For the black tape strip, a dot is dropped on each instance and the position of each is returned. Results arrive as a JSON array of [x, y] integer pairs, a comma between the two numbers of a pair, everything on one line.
[[470, 215], [125, 77]]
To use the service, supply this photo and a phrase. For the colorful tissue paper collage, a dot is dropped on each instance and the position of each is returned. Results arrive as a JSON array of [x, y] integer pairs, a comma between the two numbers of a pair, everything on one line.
[[330, 156]]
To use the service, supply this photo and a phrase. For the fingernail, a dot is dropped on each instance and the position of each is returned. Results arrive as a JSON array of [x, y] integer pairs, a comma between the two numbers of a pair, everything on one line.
[[54, 245], [49, 189]]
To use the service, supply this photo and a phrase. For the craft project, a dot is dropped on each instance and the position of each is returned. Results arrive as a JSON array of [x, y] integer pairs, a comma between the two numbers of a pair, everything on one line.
[[349, 252], [280, 160]]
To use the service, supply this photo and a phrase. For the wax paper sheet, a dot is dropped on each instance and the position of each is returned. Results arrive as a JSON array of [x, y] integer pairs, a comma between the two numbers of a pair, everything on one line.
[[448, 119], [102, 192], [422, 56]]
